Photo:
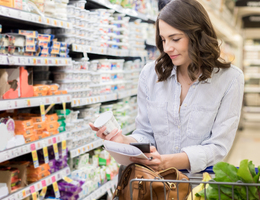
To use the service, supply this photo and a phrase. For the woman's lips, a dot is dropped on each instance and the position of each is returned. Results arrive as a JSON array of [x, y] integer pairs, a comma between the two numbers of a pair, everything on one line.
[[174, 56]]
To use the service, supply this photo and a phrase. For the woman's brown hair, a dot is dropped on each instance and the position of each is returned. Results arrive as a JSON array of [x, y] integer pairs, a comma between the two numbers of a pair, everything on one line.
[[190, 17]]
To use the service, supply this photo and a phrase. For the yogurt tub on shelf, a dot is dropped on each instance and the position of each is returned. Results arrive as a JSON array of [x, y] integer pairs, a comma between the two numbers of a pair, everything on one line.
[[71, 10], [93, 65], [62, 75], [79, 4]]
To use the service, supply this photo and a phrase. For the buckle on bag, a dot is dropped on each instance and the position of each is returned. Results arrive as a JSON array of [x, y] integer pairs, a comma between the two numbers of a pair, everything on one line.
[[172, 185]]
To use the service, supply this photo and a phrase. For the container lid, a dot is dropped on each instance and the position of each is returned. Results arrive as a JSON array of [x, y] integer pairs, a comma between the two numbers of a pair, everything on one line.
[[103, 119]]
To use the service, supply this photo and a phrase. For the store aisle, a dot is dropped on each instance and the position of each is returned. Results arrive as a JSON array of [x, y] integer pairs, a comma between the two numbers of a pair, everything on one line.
[[246, 146]]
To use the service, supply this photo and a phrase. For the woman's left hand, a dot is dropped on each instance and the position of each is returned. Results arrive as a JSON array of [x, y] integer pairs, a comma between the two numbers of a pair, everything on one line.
[[155, 162]]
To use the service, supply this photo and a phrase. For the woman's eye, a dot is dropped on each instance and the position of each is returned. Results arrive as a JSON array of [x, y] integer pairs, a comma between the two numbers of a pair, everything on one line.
[[176, 40]]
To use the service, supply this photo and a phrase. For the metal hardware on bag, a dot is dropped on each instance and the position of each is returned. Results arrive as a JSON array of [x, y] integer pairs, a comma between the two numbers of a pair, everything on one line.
[[172, 184]]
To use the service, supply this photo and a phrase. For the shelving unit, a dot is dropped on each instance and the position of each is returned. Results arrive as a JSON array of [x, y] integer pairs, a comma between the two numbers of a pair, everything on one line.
[[33, 19], [34, 61], [35, 187], [102, 190]]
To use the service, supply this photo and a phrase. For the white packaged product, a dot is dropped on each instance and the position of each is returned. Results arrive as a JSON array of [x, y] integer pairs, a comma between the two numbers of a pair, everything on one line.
[[107, 119]]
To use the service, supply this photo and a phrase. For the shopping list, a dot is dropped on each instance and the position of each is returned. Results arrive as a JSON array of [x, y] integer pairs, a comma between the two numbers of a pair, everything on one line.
[[122, 152]]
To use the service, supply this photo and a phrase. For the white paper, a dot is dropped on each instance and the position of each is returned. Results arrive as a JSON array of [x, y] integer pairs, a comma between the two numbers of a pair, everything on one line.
[[122, 152]]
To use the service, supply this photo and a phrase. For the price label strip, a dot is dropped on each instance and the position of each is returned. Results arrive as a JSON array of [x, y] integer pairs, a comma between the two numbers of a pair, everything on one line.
[[64, 108], [48, 109], [64, 147], [46, 154], [56, 190], [42, 108], [43, 193], [35, 159], [69, 180], [56, 152]]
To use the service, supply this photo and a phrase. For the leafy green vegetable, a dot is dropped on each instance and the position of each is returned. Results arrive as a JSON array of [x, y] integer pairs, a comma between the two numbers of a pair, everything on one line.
[[225, 172]]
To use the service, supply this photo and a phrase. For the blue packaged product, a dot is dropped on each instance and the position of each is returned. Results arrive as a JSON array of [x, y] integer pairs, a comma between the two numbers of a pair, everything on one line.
[[45, 37], [44, 44], [30, 48], [54, 51], [30, 41], [32, 34], [55, 44]]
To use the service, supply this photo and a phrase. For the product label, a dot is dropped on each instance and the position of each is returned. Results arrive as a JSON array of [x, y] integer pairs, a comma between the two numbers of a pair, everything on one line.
[[46, 38], [56, 190], [35, 159], [56, 152], [34, 196], [42, 108], [30, 41], [43, 44], [69, 180], [64, 147], [28, 33], [46, 155]]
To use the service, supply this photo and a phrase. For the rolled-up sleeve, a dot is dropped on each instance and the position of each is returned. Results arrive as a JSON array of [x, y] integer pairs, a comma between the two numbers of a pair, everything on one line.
[[143, 132], [216, 147]]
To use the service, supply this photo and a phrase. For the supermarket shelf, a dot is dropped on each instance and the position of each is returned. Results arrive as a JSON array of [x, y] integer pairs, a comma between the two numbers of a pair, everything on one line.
[[29, 147], [252, 90], [34, 61], [150, 42], [252, 48], [37, 186], [252, 75], [251, 109], [103, 189], [129, 12], [95, 144], [112, 82], [252, 62], [33, 101], [34, 19], [102, 98], [106, 51]]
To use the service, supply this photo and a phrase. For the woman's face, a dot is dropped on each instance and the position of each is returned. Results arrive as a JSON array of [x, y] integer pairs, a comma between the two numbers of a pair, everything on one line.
[[175, 44]]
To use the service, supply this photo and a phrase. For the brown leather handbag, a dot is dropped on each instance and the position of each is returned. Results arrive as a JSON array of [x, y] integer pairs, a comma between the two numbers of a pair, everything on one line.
[[141, 189]]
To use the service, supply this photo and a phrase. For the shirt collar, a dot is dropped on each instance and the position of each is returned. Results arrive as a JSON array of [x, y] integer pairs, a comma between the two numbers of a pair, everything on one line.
[[174, 73]]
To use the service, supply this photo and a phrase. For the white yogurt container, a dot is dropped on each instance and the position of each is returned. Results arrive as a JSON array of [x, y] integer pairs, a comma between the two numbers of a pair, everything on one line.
[[108, 120]]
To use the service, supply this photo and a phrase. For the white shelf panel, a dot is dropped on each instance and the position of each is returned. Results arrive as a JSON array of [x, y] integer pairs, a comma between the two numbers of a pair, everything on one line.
[[27, 148], [95, 144], [102, 98], [129, 12], [33, 101], [37, 186], [107, 51], [103, 189], [252, 62], [252, 90], [252, 48], [251, 109], [252, 75], [33, 18], [34, 61]]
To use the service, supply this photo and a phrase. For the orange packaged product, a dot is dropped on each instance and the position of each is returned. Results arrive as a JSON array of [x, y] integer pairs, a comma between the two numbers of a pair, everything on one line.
[[63, 92], [40, 169], [51, 117], [23, 124], [37, 119], [54, 87], [33, 177], [40, 90], [24, 132], [43, 134], [31, 138], [51, 126], [58, 92], [55, 132], [39, 126]]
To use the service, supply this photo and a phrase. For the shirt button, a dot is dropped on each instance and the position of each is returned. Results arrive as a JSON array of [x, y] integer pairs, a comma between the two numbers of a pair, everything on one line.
[[176, 148], [185, 105], [193, 86], [179, 127]]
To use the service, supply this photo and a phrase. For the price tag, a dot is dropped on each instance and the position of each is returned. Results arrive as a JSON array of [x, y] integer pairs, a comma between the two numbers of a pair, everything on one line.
[[33, 147], [32, 189], [68, 180], [56, 152], [64, 147], [46, 61], [56, 62], [28, 102], [68, 25], [34, 196], [43, 193], [64, 108], [61, 23], [24, 193], [43, 183], [55, 23], [46, 155], [35, 159], [56, 190], [42, 108], [34, 61], [47, 20]]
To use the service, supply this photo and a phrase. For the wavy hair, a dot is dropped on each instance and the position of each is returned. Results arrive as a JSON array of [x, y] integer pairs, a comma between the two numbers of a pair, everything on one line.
[[190, 17]]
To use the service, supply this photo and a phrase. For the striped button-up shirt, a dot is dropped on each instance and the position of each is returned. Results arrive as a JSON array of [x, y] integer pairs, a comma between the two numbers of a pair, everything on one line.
[[204, 126]]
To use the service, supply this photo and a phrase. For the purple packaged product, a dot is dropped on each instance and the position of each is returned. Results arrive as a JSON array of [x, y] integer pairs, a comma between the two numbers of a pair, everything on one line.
[[70, 198]]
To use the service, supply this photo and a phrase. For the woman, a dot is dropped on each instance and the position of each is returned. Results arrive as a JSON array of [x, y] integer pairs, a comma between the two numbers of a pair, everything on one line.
[[189, 99]]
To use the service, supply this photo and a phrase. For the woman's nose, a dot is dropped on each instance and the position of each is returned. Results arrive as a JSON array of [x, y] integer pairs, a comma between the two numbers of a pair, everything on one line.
[[168, 47]]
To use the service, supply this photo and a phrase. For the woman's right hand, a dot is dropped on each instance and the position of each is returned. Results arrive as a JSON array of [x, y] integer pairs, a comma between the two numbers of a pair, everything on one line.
[[114, 136]]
